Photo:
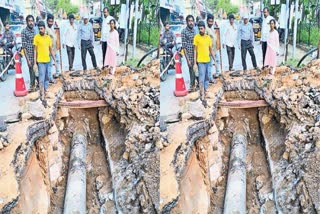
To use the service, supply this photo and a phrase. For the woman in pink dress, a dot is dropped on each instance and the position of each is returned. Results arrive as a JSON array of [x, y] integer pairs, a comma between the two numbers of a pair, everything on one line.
[[113, 47], [272, 47]]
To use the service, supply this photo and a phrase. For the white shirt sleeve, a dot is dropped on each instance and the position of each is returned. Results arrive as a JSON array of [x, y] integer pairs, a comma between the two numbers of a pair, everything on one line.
[[65, 35], [225, 35]]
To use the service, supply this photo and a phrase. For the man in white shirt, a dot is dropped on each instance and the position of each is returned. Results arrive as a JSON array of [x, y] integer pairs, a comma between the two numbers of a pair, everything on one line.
[[105, 30], [70, 39], [265, 29], [230, 40]]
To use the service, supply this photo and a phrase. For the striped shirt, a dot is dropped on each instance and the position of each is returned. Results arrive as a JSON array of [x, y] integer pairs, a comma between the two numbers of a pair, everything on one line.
[[187, 43], [27, 36]]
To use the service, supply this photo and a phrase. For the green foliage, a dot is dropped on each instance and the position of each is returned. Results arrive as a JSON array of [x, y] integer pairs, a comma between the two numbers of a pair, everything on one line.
[[154, 34], [314, 34], [132, 62], [151, 12], [226, 6], [66, 5], [52, 4], [293, 62], [211, 4]]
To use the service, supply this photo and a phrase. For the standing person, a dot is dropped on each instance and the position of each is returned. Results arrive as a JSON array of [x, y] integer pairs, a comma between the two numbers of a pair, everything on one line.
[[52, 33], [105, 30], [70, 39], [212, 33], [187, 36], [230, 39], [38, 18], [202, 51], [246, 38], [265, 29], [42, 51], [113, 47], [85, 42], [272, 47], [198, 19], [27, 36]]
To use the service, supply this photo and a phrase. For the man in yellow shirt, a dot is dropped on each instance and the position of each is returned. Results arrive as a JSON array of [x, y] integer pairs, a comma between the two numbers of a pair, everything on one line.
[[202, 51], [42, 51]]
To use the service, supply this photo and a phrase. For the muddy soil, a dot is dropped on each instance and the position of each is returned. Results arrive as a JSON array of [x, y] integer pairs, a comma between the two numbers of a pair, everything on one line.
[[207, 167], [257, 165], [97, 167]]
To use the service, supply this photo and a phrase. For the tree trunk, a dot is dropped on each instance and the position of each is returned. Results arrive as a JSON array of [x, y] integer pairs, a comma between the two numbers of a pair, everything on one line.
[[318, 56]]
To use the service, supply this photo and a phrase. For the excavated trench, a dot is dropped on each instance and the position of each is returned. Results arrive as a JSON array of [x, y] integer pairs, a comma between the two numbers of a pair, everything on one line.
[[254, 149], [213, 169], [50, 162], [92, 150]]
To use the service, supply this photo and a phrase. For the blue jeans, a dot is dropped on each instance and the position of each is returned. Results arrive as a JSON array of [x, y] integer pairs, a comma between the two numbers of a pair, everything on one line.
[[212, 67], [203, 77], [43, 76], [51, 67]]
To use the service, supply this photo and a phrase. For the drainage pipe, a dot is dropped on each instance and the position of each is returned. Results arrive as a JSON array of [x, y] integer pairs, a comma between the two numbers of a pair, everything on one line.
[[235, 199], [243, 104], [75, 198], [83, 104]]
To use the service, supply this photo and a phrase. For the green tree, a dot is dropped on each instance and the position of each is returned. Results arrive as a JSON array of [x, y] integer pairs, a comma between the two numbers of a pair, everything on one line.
[[147, 12], [66, 6], [215, 5], [227, 6], [211, 4], [52, 4]]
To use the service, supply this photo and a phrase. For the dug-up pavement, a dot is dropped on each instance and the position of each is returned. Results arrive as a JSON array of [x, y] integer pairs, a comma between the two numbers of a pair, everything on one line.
[[293, 98], [132, 97]]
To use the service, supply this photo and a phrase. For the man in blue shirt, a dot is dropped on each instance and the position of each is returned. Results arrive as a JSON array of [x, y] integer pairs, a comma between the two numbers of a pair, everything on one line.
[[245, 41], [85, 42]]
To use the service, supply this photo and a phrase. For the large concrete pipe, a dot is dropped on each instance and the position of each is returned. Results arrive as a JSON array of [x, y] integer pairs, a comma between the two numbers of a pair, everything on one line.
[[235, 199], [75, 198]]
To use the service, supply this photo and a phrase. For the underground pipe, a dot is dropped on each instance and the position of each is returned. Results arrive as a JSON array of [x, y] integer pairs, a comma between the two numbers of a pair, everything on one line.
[[83, 104], [75, 198], [243, 104], [235, 198]]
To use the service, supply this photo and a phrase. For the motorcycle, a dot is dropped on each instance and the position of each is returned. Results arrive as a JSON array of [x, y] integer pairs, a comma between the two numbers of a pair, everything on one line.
[[166, 60], [6, 62]]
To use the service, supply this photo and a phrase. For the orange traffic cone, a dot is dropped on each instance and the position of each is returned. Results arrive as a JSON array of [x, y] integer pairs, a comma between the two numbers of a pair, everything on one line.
[[20, 86], [180, 86]]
